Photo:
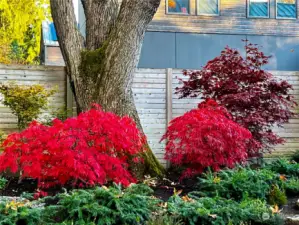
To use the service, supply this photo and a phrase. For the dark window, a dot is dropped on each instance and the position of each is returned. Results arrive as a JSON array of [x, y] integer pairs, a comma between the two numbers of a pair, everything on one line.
[[178, 6]]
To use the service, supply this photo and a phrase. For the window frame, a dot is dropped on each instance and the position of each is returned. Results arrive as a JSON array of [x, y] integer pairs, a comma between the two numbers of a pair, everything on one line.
[[178, 13], [286, 18], [207, 14], [257, 17]]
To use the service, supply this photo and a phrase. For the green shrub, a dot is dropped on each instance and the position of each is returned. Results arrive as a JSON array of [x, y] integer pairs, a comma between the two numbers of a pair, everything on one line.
[[295, 157], [136, 206], [220, 211], [2, 138], [284, 166], [238, 183], [104, 206], [59, 113], [26, 102], [164, 220], [12, 213], [291, 185], [3, 182], [277, 196]]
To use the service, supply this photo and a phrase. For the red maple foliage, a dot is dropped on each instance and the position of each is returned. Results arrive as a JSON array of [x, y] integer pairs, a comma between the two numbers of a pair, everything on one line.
[[90, 149], [205, 137], [255, 99]]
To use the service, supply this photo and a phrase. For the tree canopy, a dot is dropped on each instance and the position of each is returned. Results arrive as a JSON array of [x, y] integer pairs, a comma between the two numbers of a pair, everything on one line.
[[20, 30]]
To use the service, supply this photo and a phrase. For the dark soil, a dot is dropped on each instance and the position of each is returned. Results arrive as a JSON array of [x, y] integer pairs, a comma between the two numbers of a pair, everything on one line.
[[291, 209], [14, 187], [163, 188]]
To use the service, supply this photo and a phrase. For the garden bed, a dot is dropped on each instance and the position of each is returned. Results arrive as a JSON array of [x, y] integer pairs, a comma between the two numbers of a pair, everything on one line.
[[188, 201]]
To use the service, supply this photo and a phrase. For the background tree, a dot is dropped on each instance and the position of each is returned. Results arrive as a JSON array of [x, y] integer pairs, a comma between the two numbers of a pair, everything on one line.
[[20, 30], [101, 67], [256, 100]]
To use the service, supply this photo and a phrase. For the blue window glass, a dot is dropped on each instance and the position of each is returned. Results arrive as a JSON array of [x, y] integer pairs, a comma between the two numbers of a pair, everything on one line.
[[53, 32], [286, 8], [178, 6], [258, 8], [208, 7]]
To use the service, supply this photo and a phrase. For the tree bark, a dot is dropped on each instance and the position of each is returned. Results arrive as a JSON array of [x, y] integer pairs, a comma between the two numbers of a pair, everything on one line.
[[102, 70]]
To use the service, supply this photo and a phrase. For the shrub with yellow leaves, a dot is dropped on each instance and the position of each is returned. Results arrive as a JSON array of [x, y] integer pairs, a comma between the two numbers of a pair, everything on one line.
[[26, 102]]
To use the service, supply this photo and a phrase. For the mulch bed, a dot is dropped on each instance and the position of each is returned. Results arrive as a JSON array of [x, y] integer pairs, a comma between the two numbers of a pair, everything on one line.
[[15, 188], [163, 188]]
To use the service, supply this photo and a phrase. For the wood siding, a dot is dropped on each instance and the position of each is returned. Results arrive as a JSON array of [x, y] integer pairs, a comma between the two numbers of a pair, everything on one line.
[[53, 56], [232, 20], [155, 98]]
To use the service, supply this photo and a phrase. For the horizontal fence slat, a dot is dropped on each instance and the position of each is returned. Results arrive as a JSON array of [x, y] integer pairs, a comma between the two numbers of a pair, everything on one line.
[[149, 91]]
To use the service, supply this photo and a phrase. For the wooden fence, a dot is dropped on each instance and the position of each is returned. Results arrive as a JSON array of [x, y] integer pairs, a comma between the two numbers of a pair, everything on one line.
[[155, 98], [50, 77]]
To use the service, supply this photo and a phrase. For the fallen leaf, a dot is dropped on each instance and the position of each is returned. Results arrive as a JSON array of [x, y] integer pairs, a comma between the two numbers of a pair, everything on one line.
[[175, 192], [275, 209]]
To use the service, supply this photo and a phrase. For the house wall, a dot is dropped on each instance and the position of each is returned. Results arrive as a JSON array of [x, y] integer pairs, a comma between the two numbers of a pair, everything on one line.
[[232, 20], [193, 50], [155, 98], [53, 56], [189, 41]]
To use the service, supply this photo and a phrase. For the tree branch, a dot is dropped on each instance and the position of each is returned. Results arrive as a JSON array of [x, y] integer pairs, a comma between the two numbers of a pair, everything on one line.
[[125, 41], [70, 40], [100, 19]]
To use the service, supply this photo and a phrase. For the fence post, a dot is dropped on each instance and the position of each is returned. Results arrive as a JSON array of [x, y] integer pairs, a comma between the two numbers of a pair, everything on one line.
[[168, 95], [69, 97], [168, 100]]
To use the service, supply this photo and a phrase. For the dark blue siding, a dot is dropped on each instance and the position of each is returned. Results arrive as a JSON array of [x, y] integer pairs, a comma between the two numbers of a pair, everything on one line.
[[284, 51], [195, 50], [158, 50], [192, 51]]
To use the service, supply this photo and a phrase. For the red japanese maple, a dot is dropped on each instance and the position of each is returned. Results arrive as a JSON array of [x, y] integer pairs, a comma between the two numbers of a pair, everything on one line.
[[205, 137], [254, 98], [90, 149]]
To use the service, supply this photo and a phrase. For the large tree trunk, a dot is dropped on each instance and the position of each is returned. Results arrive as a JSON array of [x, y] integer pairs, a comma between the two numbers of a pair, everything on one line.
[[101, 70]]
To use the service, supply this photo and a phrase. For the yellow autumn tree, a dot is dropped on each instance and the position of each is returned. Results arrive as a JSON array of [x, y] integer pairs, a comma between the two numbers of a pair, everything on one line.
[[20, 30]]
